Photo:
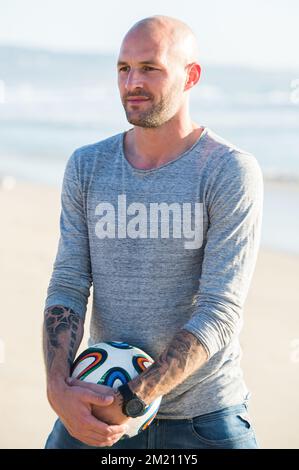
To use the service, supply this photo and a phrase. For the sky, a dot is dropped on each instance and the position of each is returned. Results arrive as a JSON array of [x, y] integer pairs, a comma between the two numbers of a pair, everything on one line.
[[255, 32]]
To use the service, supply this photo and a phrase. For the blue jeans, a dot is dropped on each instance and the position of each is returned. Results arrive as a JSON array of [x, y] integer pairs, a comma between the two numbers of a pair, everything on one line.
[[229, 428]]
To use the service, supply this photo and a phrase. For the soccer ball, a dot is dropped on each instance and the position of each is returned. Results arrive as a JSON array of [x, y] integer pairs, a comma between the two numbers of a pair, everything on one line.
[[113, 364]]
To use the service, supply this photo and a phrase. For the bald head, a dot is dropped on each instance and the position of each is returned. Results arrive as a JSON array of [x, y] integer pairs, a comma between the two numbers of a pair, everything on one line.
[[175, 36]]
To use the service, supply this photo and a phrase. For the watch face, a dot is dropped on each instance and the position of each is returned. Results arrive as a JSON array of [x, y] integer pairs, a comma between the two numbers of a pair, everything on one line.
[[135, 408]]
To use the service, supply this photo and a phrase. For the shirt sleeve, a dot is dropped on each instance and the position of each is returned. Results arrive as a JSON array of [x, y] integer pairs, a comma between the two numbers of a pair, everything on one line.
[[234, 202], [71, 277]]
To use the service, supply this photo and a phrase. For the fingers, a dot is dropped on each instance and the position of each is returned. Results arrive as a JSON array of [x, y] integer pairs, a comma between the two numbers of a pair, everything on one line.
[[98, 388], [106, 430], [84, 426], [97, 440], [96, 433], [96, 399], [89, 440]]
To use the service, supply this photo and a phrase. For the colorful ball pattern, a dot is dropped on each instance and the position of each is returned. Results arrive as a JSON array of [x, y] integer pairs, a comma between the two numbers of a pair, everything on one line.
[[113, 364]]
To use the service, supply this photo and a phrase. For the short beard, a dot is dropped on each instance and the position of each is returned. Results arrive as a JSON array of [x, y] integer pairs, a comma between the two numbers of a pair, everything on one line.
[[158, 114]]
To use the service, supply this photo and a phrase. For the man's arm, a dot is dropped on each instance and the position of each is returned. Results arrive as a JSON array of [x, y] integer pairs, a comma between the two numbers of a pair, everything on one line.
[[184, 355], [71, 279], [64, 316], [62, 334]]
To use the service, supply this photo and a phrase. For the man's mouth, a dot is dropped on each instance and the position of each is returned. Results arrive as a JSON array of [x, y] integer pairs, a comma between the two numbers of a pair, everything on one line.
[[137, 100]]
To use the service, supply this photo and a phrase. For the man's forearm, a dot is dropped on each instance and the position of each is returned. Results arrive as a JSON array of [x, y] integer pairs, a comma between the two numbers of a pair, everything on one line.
[[184, 355], [62, 335]]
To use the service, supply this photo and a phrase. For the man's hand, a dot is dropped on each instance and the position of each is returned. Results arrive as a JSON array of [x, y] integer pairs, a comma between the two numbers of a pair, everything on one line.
[[74, 406], [111, 414]]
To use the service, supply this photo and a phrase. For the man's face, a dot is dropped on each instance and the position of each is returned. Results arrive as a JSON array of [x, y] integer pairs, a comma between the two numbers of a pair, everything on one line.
[[150, 80]]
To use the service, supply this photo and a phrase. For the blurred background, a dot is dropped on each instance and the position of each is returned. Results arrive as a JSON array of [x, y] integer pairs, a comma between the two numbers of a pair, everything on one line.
[[58, 91]]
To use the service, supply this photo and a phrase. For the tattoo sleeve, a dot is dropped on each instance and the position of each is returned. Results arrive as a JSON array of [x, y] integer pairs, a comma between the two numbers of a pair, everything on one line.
[[63, 331], [184, 355]]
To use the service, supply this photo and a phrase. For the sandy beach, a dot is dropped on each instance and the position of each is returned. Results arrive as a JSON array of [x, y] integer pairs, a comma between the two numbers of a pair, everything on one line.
[[29, 236]]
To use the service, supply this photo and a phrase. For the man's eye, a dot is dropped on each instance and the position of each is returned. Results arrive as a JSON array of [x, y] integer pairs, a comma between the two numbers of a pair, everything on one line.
[[145, 68]]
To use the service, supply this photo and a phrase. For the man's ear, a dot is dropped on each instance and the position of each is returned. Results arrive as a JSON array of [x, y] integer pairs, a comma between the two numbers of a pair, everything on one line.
[[193, 75]]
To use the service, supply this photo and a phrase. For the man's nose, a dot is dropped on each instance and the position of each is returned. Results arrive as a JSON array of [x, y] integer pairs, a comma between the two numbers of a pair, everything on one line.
[[134, 80]]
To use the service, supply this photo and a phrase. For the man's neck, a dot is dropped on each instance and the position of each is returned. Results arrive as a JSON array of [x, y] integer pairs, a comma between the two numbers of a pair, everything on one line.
[[147, 148]]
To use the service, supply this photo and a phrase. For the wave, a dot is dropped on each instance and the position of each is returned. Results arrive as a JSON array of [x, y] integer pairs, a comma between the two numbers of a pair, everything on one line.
[[205, 95]]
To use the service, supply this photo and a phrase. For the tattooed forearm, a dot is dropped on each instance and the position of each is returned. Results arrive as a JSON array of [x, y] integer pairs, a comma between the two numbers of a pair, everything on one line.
[[184, 355], [62, 334]]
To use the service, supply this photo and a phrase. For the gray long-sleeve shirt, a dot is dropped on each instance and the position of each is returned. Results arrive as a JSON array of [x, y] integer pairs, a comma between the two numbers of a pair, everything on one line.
[[166, 248]]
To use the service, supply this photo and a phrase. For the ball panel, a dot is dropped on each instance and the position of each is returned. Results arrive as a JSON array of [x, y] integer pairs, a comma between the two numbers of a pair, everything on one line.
[[141, 363], [94, 358], [119, 345], [114, 375]]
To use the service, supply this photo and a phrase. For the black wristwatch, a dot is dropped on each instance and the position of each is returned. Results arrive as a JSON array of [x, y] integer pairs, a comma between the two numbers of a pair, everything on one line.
[[132, 405]]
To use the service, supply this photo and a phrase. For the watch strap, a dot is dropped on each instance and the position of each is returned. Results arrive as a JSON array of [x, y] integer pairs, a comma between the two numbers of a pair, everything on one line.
[[126, 392]]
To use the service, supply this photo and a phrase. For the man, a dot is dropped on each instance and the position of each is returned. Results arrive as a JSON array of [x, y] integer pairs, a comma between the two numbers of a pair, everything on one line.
[[164, 220]]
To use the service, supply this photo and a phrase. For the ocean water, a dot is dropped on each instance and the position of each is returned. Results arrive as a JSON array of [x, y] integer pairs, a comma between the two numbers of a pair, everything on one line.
[[51, 103]]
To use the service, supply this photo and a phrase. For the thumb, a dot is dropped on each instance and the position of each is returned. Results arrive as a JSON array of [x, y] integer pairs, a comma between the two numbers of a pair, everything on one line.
[[72, 381], [97, 399]]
